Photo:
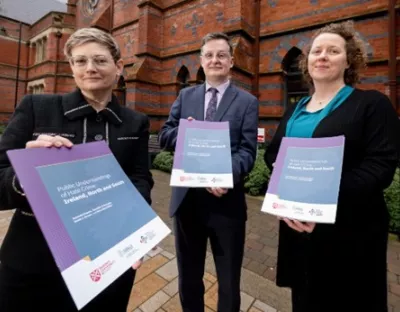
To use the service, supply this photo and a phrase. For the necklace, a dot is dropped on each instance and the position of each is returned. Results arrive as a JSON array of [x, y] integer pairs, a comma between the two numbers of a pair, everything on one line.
[[323, 101], [326, 100]]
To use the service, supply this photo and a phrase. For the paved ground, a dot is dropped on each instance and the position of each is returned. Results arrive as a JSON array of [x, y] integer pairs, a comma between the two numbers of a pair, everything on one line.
[[156, 286]]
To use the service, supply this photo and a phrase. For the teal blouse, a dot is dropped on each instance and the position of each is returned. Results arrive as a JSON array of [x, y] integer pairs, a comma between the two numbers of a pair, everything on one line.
[[303, 123]]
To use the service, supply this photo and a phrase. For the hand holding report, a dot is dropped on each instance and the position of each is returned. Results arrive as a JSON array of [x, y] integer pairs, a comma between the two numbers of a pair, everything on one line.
[[202, 155], [96, 223], [305, 180]]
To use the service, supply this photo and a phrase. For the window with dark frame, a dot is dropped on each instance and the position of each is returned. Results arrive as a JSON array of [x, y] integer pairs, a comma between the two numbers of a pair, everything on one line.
[[295, 86]]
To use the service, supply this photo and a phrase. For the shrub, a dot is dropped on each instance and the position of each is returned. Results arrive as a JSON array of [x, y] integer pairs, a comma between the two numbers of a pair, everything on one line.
[[256, 181], [2, 128], [164, 161], [392, 197]]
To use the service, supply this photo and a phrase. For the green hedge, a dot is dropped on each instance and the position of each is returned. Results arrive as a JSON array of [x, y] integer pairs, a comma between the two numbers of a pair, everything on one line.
[[257, 180], [164, 161], [392, 197]]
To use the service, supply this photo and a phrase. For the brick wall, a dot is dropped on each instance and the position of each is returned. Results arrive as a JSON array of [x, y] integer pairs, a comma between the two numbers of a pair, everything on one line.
[[158, 40], [244, 54], [125, 11], [185, 25], [128, 38], [84, 16], [285, 15], [30, 70], [7, 94], [150, 39]]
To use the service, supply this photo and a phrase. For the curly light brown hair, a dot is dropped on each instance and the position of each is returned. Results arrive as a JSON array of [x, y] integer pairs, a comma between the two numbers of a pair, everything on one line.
[[355, 51]]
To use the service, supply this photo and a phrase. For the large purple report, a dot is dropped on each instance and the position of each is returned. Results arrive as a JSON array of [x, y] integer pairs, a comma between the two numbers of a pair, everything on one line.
[[95, 222]]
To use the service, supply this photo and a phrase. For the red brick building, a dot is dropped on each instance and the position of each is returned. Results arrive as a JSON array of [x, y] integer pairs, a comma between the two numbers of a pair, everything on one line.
[[160, 41]]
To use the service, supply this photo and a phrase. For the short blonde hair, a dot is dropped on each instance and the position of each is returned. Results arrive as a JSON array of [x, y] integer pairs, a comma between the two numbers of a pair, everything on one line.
[[86, 35], [355, 51]]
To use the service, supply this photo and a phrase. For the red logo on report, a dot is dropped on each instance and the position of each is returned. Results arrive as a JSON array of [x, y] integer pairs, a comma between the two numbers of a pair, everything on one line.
[[100, 271], [277, 206], [95, 275]]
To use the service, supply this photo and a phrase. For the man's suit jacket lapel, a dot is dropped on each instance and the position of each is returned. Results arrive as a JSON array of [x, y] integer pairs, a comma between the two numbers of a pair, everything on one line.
[[198, 102], [226, 101]]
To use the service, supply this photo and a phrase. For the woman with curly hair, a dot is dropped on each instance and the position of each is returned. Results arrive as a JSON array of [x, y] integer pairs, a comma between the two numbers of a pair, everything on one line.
[[341, 266]]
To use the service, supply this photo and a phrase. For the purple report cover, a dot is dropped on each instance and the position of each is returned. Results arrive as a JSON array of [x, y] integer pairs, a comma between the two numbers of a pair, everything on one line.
[[24, 162], [305, 180], [93, 218], [184, 126], [297, 142]]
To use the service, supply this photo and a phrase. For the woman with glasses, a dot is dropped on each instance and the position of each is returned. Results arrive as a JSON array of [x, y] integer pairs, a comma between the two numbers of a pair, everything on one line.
[[29, 277]]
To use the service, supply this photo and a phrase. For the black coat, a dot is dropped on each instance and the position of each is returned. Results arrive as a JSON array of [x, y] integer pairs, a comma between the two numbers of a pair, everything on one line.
[[347, 260], [127, 132]]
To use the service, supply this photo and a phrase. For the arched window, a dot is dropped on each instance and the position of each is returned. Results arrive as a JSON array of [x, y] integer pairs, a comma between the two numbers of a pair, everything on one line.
[[120, 91], [182, 79], [200, 77], [294, 87]]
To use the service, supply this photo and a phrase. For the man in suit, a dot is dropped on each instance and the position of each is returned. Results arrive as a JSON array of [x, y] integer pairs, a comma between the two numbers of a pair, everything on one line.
[[214, 213]]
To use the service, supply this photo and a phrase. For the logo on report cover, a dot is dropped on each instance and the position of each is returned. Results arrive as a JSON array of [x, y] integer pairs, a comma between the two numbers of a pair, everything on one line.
[[278, 206], [143, 239], [148, 236], [100, 271], [202, 179], [95, 275], [316, 212], [127, 251], [214, 180], [185, 178]]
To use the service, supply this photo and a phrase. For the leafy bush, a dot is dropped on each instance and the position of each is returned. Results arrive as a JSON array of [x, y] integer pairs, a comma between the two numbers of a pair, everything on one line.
[[392, 197], [2, 128], [256, 181], [164, 161]]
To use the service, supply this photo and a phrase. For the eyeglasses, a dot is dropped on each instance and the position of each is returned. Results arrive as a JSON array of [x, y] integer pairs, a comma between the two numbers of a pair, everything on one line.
[[221, 56], [99, 61]]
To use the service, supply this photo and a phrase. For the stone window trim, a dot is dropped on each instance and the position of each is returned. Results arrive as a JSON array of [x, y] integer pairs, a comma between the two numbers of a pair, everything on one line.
[[40, 44], [36, 87]]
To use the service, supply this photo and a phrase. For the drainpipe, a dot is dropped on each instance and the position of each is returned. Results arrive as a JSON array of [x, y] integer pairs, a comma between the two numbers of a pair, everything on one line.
[[112, 16], [392, 53], [58, 36], [256, 81], [18, 65], [28, 57]]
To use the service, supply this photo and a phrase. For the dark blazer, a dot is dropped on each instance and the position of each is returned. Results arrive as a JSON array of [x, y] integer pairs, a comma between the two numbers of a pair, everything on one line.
[[24, 247], [337, 255], [238, 107]]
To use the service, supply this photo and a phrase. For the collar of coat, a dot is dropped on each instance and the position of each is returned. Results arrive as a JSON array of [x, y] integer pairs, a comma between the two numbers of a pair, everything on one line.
[[76, 107]]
